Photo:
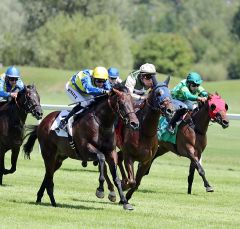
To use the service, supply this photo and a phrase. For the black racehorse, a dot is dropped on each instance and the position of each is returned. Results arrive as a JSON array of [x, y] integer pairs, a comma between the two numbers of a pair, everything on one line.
[[13, 115]]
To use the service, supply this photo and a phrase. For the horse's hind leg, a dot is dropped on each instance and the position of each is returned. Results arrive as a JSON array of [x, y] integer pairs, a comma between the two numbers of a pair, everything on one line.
[[41, 191], [191, 177]]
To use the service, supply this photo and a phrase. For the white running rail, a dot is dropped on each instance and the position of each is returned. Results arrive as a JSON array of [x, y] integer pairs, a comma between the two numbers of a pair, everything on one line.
[[66, 107]]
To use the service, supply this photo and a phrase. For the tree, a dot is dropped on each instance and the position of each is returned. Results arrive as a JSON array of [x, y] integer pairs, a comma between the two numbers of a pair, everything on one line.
[[171, 53]]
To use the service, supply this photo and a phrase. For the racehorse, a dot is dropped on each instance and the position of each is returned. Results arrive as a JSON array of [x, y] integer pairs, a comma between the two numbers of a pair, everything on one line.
[[191, 141], [142, 145], [94, 139], [13, 115]]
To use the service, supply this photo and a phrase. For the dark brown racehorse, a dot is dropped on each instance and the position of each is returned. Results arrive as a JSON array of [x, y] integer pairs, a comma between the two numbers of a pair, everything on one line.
[[94, 139], [13, 115], [142, 145], [191, 142]]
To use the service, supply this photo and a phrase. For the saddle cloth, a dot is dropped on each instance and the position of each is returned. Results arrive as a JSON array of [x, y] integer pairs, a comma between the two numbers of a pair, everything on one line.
[[163, 134], [62, 133]]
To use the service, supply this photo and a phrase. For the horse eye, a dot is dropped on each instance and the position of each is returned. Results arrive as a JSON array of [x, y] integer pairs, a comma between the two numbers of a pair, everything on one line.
[[213, 107], [226, 107]]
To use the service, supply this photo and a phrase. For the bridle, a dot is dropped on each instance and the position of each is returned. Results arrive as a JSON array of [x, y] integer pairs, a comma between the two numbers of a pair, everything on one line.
[[28, 107], [121, 112], [160, 106]]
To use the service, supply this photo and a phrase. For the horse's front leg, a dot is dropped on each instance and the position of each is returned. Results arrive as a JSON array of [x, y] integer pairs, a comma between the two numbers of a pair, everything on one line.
[[2, 165], [100, 189], [112, 194], [142, 169], [14, 157], [101, 161], [202, 174], [122, 171], [112, 162], [128, 162]]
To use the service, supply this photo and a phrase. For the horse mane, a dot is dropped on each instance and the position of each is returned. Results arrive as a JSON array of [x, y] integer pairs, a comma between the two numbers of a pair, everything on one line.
[[121, 87], [211, 95]]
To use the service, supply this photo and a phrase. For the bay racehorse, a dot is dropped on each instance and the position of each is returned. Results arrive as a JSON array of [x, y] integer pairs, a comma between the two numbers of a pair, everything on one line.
[[142, 145], [191, 141], [13, 115], [93, 135]]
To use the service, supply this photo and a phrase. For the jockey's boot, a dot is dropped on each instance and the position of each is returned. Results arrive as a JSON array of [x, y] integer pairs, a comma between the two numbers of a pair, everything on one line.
[[176, 117], [64, 121]]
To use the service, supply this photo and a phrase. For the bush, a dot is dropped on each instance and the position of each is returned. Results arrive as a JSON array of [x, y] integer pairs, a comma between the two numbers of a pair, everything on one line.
[[234, 65], [211, 72]]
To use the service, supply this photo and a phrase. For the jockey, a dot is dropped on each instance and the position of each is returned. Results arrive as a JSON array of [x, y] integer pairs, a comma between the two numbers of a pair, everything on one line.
[[186, 95], [138, 82], [10, 84], [83, 87], [113, 76]]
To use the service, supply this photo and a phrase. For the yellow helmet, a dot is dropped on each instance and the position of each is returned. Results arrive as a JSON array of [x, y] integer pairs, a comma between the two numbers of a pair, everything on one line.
[[100, 73]]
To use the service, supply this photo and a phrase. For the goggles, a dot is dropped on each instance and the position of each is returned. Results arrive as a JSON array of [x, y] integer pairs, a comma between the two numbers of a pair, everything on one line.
[[13, 79], [100, 81], [195, 85]]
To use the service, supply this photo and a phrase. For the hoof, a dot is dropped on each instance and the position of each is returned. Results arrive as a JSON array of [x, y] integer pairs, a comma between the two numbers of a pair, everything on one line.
[[95, 163], [112, 196], [84, 164], [128, 207], [209, 189], [99, 194]]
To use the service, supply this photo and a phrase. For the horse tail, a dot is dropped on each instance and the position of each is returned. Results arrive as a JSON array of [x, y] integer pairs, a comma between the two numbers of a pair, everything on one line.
[[28, 146]]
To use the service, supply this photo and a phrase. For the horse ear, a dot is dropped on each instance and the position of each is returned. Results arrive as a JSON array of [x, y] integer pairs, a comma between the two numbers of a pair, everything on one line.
[[213, 107], [167, 80], [154, 80], [117, 92]]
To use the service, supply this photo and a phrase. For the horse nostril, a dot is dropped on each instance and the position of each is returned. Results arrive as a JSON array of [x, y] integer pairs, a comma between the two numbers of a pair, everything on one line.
[[134, 125], [169, 111], [225, 123]]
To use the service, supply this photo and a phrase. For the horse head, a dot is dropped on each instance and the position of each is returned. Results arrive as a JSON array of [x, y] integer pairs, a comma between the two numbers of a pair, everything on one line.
[[160, 98], [121, 102], [28, 99], [218, 110]]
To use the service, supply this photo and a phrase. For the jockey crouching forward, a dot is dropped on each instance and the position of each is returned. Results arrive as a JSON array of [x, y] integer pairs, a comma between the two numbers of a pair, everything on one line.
[[185, 96], [140, 81], [10, 84], [83, 87]]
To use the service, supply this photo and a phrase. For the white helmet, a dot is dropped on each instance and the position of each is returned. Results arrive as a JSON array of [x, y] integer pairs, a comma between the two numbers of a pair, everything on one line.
[[148, 68]]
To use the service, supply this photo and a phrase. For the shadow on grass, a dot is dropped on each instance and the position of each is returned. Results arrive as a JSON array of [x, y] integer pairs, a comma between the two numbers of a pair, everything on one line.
[[59, 205], [98, 201], [79, 170]]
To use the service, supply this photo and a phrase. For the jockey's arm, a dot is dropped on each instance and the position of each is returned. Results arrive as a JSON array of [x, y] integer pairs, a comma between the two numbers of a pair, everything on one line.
[[89, 88], [187, 95], [202, 92], [130, 84], [3, 93], [107, 86]]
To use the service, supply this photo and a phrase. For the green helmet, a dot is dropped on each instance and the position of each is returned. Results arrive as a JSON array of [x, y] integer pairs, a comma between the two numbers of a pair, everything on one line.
[[194, 77]]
